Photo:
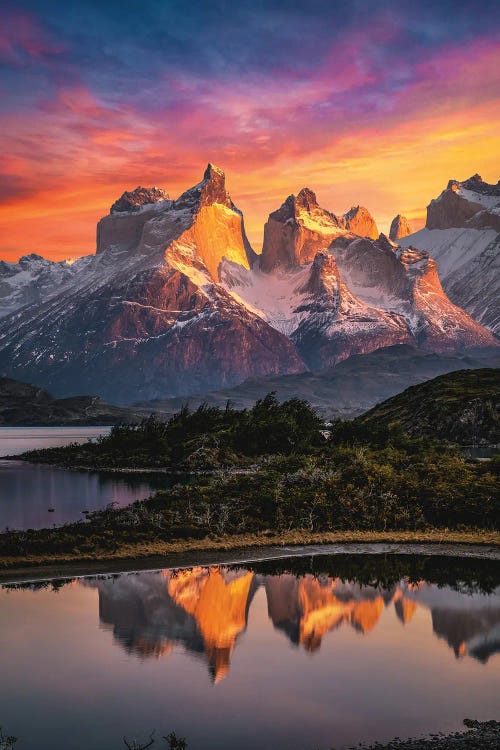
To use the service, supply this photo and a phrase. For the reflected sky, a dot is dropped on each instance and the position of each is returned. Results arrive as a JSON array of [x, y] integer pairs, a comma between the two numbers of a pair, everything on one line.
[[34, 496], [248, 656]]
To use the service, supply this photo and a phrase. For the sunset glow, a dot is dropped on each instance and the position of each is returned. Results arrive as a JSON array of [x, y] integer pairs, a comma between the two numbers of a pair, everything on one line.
[[376, 107]]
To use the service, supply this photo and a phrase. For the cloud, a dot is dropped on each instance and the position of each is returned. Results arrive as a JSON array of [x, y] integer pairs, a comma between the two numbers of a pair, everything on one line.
[[339, 95]]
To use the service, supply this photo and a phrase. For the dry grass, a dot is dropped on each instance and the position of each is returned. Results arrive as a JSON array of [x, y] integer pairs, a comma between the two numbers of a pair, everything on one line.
[[144, 550]]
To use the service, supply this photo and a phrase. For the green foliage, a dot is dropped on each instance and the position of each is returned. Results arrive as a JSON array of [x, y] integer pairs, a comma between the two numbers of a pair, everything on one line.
[[272, 469], [206, 438], [6, 742], [338, 488]]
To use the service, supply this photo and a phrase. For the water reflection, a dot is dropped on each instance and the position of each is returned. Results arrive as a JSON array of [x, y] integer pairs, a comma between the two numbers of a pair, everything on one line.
[[34, 496], [306, 652], [205, 610]]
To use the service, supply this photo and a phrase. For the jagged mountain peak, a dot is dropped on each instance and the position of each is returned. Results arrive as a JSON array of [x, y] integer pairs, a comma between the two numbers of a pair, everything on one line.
[[471, 203], [400, 227], [360, 221], [212, 172], [296, 231], [306, 198], [212, 189], [134, 200]]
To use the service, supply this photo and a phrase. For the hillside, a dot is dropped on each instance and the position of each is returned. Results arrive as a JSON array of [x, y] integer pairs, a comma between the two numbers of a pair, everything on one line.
[[22, 404], [462, 407], [347, 390]]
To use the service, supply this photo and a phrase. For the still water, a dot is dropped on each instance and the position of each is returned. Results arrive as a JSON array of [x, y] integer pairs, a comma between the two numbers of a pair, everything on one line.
[[34, 496], [16, 440], [314, 652]]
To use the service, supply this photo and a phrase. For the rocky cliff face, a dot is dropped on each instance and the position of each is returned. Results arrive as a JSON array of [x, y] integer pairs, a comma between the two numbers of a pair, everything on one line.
[[400, 227], [336, 324], [462, 234], [175, 302], [148, 318], [359, 220], [406, 284], [470, 203], [297, 231], [300, 228]]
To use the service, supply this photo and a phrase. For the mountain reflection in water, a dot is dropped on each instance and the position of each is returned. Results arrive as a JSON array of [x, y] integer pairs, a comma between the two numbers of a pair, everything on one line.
[[205, 610]]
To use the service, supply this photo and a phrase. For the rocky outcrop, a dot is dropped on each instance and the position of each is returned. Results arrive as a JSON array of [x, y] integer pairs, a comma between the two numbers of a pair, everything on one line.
[[359, 220], [462, 201], [463, 236], [137, 199], [400, 227], [296, 232]]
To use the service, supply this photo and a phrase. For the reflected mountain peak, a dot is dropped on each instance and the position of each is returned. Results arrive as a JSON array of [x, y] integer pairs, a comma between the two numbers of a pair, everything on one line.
[[205, 610]]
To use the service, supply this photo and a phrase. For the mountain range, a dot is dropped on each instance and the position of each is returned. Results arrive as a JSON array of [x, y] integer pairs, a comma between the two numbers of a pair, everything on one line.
[[175, 301]]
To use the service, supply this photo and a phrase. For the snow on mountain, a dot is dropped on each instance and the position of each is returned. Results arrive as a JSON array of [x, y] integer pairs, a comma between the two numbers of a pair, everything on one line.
[[176, 302], [33, 279], [463, 236], [146, 317]]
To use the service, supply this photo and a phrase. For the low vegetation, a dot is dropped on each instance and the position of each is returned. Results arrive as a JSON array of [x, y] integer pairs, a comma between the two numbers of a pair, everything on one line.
[[461, 406], [292, 479]]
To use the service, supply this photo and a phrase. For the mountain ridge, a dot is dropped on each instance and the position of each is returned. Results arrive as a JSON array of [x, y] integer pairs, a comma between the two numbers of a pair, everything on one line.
[[175, 301]]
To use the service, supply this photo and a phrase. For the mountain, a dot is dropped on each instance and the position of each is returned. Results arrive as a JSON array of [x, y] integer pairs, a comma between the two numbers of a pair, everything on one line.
[[462, 406], [400, 227], [147, 318], [24, 404], [300, 228], [336, 294], [462, 234], [32, 279], [176, 302], [351, 388]]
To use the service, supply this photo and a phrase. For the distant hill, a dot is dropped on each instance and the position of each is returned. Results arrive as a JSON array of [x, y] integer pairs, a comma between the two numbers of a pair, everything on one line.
[[347, 390], [22, 404], [462, 407]]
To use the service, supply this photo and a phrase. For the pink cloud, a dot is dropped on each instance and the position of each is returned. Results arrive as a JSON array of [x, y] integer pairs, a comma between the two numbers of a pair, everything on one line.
[[21, 36]]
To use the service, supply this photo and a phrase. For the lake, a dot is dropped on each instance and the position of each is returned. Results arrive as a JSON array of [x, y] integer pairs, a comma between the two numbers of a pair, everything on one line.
[[16, 440], [36, 495], [310, 652]]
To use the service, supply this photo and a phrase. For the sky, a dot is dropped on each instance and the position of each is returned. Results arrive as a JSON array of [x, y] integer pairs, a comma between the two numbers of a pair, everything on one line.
[[371, 102]]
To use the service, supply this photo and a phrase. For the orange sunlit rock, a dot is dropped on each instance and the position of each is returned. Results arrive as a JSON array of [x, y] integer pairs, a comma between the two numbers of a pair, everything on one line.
[[219, 605]]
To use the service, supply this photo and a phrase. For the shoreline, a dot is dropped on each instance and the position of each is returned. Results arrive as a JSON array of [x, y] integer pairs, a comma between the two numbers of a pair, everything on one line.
[[249, 548]]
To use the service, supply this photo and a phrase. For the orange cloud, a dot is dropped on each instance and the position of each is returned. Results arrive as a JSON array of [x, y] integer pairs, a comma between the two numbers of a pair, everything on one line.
[[273, 136]]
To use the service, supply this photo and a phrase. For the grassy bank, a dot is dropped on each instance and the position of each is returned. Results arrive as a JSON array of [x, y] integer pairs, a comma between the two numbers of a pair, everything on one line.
[[176, 549]]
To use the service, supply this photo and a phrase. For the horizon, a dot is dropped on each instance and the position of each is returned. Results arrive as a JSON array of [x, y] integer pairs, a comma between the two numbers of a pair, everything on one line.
[[97, 100]]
